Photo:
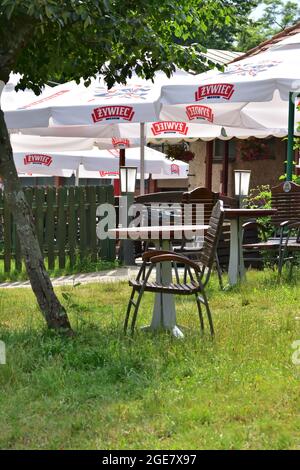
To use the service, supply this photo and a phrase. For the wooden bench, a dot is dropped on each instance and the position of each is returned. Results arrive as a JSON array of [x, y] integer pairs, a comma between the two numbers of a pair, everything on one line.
[[285, 239]]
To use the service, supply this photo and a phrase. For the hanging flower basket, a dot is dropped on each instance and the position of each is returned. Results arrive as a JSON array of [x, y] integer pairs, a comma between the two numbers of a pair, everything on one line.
[[253, 149], [187, 156], [177, 152]]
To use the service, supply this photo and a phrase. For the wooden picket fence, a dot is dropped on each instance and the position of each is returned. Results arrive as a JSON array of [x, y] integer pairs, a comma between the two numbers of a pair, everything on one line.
[[65, 220]]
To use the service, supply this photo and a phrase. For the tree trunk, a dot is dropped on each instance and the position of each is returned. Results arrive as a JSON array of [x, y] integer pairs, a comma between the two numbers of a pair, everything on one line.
[[52, 310]]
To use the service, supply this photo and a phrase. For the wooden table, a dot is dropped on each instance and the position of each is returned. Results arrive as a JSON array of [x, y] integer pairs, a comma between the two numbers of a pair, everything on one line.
[[236, 270], [164, 313]]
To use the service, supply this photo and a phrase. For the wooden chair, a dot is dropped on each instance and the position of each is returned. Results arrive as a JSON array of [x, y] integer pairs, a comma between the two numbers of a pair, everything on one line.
[[206, 198], [164, 197], [200, 196], [161, 197], [195, 276], [285, 239]]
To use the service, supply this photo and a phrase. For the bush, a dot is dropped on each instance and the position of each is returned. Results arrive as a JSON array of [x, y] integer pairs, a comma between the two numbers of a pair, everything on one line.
[[260, 198]]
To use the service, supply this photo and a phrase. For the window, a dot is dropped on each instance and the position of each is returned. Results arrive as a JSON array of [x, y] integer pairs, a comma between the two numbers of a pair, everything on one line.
[[257, 149], [219, 149], [37, 181]]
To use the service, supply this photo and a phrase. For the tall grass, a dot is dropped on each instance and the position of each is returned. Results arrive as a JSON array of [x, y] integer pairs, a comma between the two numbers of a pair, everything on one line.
[[80, 266], [102, 390]]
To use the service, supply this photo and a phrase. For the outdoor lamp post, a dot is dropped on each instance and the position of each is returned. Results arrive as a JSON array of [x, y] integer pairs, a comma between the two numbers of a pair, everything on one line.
[[127, 177], [241, 184]]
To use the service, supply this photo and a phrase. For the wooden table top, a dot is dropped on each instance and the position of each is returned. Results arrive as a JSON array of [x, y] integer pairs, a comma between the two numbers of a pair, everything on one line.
[[235, 213], [157, 232]]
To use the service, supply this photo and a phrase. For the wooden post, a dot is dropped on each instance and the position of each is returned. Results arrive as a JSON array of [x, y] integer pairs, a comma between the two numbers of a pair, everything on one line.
[[122, 162], [72, 226], [142, 158], [225, 168], [122, 157], [51, 215], [61, 226], [290, 147], [209, 164]]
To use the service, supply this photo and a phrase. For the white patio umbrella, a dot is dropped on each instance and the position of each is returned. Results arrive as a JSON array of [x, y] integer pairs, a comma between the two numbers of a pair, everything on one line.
[[22, 142], [238, 98], [44, 160], [257, 92], [111, 135], [12, 99], [75, 105], [72, 104], [251, 80]]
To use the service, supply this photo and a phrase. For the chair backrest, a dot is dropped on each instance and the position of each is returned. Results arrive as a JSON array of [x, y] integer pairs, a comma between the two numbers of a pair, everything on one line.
[[208, 199], [162, 197], [286, 199], [202, 196], [212, 236]]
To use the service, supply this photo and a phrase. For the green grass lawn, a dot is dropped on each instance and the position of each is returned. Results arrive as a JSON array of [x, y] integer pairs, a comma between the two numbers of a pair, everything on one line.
[[101, 390], [84, 266]]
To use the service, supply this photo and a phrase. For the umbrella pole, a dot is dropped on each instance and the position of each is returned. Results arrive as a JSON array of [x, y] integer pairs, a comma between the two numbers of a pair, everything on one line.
[[225, 168], [209, 164], [290, 149], [142, 147], [122, 158], [77, 177]]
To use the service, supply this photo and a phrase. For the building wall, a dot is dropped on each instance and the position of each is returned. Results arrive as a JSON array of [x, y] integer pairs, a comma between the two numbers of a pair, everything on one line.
[[172, 184], [197, 166], [262, 171]]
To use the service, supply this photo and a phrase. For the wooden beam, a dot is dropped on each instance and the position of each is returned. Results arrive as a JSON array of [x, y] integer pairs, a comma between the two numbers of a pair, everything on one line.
[[225, 168], [122, 157], [209, 164]]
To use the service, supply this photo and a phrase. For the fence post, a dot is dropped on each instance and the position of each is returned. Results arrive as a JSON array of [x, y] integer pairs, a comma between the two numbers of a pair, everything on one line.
[[39, 194], [1, 225], [92, 222], [82, 223], [50, 215], [7, 237], [72, 226], [111, 249], [61, 227]]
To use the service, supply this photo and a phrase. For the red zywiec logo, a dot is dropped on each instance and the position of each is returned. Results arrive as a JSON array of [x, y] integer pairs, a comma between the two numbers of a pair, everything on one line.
[[215, 90], [169, 127], [107, 174], [113, 112], [174, 169], [47, 98], [200, 112], [120, 142], [38, 159]]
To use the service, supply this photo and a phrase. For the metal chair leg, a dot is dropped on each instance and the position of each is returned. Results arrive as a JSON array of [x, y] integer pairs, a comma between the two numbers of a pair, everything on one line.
[[130, 303], [136, 309], [219, 271], [137, 304], [280, 261], [208, 312], [200, 313]]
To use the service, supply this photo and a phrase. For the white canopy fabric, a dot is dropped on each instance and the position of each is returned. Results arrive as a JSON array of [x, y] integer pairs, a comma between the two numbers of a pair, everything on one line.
[[105, 161], [22, 142], [12, 99], [110, 136], [82, 173], [74, 104], [251, 93]]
